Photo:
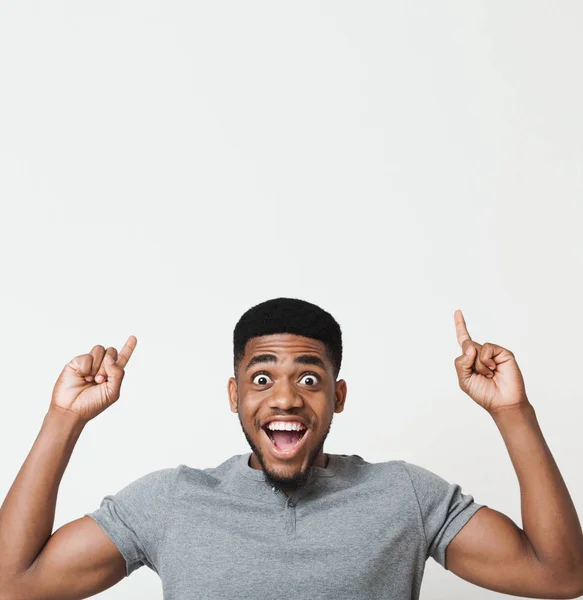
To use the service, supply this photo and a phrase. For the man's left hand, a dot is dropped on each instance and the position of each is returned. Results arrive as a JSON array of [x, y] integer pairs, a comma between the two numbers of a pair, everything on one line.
[[488, 373]]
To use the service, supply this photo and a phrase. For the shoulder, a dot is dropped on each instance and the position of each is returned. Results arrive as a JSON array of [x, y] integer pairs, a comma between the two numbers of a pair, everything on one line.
[[148, 489], [397, 476], [354, 462], [425, 481], [160, 476], [391, 473], [208, 477]]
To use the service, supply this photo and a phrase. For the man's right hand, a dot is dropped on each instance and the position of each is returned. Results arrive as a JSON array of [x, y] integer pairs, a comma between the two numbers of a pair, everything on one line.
[[90, 383]]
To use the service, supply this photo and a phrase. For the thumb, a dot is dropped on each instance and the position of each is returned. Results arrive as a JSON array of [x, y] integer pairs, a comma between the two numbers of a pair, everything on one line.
[[113, 371], [464, 364]]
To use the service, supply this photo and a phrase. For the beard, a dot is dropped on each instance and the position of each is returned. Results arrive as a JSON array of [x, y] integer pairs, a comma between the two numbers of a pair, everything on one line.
[[290, 483]]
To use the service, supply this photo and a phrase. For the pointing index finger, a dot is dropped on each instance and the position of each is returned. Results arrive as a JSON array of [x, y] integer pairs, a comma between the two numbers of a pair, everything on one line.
[[126, 352], [460, 328]]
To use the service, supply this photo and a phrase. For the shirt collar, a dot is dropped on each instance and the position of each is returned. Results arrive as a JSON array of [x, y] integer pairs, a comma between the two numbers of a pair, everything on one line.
[[251, 473]]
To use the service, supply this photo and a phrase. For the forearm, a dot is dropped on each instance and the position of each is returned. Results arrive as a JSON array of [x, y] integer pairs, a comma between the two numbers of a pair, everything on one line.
[[28, 512], [549, 518]]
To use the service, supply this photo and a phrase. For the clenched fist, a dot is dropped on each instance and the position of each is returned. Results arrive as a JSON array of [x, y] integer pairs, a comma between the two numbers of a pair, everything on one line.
[[90, 383], [488, 373]]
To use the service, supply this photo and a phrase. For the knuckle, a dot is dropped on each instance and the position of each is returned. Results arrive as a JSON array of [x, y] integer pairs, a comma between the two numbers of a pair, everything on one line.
[[83, 361]]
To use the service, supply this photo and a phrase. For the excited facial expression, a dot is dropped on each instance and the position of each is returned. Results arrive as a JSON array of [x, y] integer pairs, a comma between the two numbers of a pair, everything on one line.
[[285, 395]]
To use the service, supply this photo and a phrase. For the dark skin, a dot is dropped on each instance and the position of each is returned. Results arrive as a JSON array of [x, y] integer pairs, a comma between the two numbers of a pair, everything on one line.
[[490, 550], [78, 560], [283, 387]]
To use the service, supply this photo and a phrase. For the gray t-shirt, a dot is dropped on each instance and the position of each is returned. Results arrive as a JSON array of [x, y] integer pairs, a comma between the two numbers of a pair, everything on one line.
[[355, 530]]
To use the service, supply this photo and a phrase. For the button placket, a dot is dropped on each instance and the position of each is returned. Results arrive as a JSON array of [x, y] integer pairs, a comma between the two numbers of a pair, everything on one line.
[[289, 510], [290, 516]]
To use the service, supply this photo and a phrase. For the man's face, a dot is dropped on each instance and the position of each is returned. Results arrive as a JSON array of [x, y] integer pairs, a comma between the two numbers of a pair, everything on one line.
[[286, 381]]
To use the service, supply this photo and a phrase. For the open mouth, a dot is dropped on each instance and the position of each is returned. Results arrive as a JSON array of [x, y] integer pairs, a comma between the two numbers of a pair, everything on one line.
[[285, 441]]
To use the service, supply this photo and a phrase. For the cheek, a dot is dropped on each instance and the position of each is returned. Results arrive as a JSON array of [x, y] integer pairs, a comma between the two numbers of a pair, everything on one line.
[[248, 407], [251, 400], [322, 408]]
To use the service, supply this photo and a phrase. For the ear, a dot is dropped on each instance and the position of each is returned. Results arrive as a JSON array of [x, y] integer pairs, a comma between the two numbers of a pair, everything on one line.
[[340, 396], [232, 389]]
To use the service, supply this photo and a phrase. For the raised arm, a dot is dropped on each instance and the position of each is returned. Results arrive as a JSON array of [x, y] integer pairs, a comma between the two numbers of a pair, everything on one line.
[[545, 558], [78, 560]]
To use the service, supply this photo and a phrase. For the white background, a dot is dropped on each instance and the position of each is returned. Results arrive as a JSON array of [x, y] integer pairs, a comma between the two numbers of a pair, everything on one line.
[[165, 166]]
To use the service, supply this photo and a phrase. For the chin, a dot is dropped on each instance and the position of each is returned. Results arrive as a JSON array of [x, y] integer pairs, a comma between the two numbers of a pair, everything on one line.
[[286, 485], [284, 473]]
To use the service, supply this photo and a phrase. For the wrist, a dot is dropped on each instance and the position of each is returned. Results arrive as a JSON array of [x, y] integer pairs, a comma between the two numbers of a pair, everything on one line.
[[513, 415], [65, 419]]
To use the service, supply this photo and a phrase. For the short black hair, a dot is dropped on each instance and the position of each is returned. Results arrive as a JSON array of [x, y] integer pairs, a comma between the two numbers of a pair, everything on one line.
[[289, 315]]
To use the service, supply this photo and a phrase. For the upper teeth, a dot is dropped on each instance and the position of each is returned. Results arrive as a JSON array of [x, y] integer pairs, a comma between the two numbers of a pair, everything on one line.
[[286, 426]]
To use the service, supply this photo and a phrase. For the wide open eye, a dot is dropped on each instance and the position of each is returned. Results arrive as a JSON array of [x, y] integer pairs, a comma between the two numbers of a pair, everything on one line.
[[261, 378], [311, 377]]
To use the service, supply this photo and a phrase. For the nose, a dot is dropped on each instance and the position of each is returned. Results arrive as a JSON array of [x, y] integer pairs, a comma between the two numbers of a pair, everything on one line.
[[285, 396]]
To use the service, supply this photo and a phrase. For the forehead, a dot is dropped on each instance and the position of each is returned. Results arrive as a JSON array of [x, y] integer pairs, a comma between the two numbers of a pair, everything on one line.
[[284, 343]]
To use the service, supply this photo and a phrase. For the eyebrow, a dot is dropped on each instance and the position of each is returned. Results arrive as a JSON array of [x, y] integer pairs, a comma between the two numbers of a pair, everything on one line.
[[304, 359]]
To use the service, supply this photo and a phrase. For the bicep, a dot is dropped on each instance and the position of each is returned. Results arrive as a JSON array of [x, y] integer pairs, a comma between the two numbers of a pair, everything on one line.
[[491, 551], [78, 561]]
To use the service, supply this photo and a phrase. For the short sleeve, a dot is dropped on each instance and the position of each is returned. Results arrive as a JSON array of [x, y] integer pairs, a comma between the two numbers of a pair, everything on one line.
[[444, 509], [135, 517]]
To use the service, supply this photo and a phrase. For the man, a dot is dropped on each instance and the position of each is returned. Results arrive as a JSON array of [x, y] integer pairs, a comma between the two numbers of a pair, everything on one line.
[[287, 518]]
